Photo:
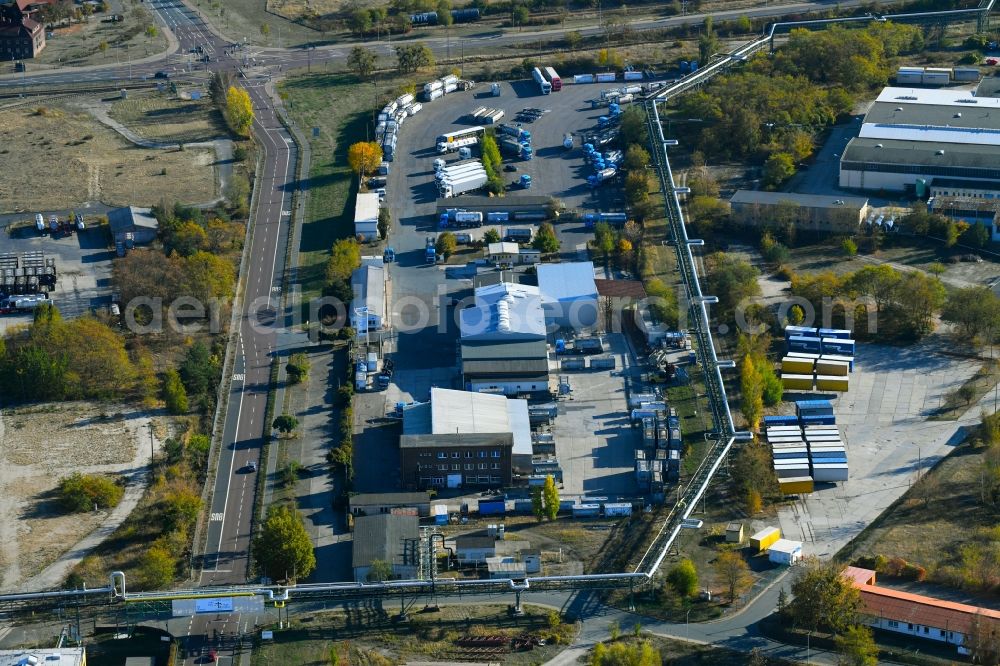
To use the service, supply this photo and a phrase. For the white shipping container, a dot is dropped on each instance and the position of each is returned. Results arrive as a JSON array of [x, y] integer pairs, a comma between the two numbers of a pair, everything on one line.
[[451, 78], [434, 94], [936, 78], [791, 472], [604, 77], [633, 76], [404, 100], [415, 108], [830, 473], [450, 87], [583, 78], [631, 90], [433, 85], [617, 509], [967, 74]]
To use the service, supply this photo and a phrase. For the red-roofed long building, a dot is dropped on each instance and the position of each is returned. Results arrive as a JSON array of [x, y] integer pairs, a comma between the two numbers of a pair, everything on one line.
[[21, 36], [961, 625]]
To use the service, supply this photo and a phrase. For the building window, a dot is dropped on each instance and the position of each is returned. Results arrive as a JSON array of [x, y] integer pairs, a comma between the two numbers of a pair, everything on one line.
[[927, 630], [495, 479], [468, 454], [457, 467], [442, 456], [456, 454], [496, 454], [437, 480], [496, 465], [471, 479], [909, 626], [941, 632], [482, 454], [483, 466], [442, 468], [893, 624], [470, 466]]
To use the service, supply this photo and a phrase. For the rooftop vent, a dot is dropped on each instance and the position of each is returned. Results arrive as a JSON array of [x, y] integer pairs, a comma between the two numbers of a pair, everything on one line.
[[940, 152], [878, 145], [899, 108], [958, 115]]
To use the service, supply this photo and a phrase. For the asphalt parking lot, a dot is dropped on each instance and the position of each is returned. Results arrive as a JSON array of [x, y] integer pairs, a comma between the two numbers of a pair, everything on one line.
[[883, 419], [83, 268], [595, 440]]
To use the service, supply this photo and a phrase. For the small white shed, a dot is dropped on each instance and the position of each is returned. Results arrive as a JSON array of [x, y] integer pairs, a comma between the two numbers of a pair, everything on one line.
[[785, 551]]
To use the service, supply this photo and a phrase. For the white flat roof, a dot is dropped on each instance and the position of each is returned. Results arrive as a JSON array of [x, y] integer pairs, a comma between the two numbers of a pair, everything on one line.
[[786, 546], [520, 426], [503, 248], [946, 97], [566, 281], [366, 208], [937, 134], [468, 412], [68, 656]]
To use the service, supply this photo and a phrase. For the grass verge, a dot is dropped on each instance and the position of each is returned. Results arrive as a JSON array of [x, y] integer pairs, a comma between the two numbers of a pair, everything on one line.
[[971, 392]]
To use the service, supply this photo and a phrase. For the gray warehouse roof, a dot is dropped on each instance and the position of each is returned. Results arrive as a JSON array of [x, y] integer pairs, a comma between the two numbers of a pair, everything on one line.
[[924, 153], [381, 537], [130, 217], [498, 440], [368, 283], [901, 113], [760, 198], [480, 350]]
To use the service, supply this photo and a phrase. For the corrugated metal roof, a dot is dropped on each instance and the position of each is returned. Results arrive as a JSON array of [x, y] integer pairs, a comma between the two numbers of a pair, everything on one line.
[[921, 153], [468, 412], [958, 115], [495, 440], [368, 283], [382, 537], [566, 281], [503, 248], [807, 200], [131, 217], [509, 350], [386, 499], [504, 311], [505, 368]]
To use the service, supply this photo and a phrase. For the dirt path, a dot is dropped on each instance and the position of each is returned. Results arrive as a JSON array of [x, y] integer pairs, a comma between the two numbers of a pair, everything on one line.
[[39, 543]]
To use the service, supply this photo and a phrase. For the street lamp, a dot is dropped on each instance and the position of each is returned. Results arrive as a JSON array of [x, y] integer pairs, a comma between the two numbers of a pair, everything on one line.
[[687, 624]]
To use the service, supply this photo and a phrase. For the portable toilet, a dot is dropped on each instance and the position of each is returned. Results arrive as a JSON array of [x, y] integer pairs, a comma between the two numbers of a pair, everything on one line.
[[495, 89], [526, 182], [440, 513]]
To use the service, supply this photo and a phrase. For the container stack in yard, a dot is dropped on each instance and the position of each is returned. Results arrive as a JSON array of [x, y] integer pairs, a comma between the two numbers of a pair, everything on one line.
[[820, 357], [807, 447], [390, 119], [657, 461], [27, 275]]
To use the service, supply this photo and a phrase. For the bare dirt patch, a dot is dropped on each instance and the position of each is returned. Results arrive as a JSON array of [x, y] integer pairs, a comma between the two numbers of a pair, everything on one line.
[[80, 43], [156, 115], [38, 446], [66, 158]]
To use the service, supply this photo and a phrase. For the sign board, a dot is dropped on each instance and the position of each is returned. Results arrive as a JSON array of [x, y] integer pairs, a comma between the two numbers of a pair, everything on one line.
[[216, 605], [315, 132], [186, 607], [267, 635]]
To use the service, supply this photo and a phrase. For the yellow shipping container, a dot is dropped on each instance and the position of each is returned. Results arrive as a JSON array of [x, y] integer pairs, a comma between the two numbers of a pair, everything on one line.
[[799, 366], [797, 382], [762, 540], [828, 383], [828, 367], [796, 485]]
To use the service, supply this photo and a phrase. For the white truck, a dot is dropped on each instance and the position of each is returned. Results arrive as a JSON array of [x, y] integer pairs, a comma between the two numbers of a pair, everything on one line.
[[454, 188], [452, 146]]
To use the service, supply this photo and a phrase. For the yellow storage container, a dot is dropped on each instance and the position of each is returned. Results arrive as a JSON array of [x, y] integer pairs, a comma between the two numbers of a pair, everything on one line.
[[796, 485], [762, 540], [797, 382], [798, 366], [830, 383], [835, 368]]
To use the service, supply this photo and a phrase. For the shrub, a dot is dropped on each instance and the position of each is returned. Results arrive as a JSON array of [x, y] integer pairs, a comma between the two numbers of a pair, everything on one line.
[[79, 493], [683, 578]]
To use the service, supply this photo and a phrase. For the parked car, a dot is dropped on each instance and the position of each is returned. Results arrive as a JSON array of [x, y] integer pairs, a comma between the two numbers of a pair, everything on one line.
[[161, 75]]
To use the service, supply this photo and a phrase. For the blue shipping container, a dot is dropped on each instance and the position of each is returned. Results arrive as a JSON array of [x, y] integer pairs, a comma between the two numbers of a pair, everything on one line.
[[838, 346], [800, 331], [492, 507], [819, 420], [839, 333], [805, 344], [781, 420]]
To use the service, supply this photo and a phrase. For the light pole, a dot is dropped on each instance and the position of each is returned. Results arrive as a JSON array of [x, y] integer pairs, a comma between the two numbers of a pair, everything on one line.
[[151, 452], [687, 624], [808, 652]]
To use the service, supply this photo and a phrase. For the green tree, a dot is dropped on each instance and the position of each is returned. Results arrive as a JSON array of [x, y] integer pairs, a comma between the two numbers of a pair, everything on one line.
[[239, 111], [752, 393], [446, 244], [174, 394], [520, 16], [413, 57], [379, 571], [683, 578], [297, 368], [80, 493], [604, 238], [285, 423], [444, 13], [550, 496], [360, 23], [879, 283], [345, 256], [848, 247], [545, 240], [975, 311], [179, 508], [384, 222], [733, 571], [573, 39], [796, 315], [199, 369], [362, 61], [491, 236], [823, 598], [918, 298], [265, 29], [857, 647], [632, 128], [708, 43], [636, 187], [364, 157], [283, 549], [778, 168], [636, 158], [157, 567], [151, 31], [537, 503], [734, 280]]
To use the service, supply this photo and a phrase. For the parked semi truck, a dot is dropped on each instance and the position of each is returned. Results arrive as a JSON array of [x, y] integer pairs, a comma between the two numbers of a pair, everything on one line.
[[463, 219], [24, 303], [517, 133], [513, 148], [453, 188], [452, 146], [580, 346], [430, 251], [543, 84]]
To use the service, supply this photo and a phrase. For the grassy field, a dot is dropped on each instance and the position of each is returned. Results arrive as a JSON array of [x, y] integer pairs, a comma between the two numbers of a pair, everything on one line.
[[80, 43], [368, 637], [679, 653], [981, 383], [157, 115], [340, 107], [95, 164]]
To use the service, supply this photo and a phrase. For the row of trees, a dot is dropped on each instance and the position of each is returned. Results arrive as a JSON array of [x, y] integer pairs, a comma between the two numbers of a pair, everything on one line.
[[492, 163], [545, 500], [905, 302], [730, 569]]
